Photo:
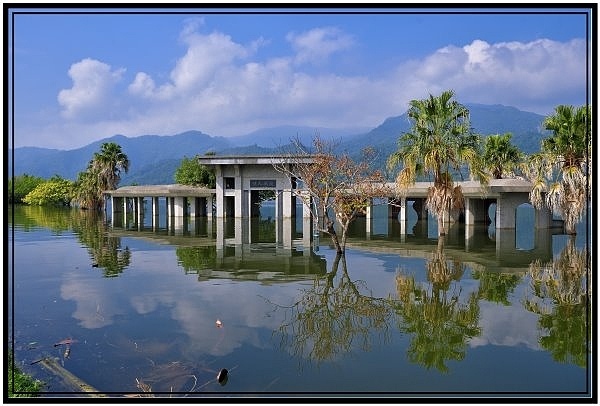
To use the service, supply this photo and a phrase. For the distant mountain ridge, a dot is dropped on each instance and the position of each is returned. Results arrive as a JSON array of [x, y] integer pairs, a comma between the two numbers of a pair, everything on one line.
[[155, 158]]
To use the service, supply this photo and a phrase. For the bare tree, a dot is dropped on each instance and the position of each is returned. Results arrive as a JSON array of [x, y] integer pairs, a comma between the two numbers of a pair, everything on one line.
[[333, 186]]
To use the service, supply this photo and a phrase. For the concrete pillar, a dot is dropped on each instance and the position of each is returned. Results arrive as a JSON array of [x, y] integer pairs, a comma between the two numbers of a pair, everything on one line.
[[177, 226], [192, 202], [219, 189], [306, 212], [154, 213], [140, 212], [369, 218], [239, 193], [179, 206], [209, 206], [506, 209], [288, 210], [279, 204], [284, 232]]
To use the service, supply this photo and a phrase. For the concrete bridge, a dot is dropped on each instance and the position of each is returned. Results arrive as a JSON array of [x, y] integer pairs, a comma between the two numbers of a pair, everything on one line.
[[240, 179]]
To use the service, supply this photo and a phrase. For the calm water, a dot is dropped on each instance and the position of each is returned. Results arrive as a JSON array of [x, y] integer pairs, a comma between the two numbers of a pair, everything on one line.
[[502, 314]]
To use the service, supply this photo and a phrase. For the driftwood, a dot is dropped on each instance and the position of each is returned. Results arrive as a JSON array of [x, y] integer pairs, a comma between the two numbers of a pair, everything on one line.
[[69, 379]]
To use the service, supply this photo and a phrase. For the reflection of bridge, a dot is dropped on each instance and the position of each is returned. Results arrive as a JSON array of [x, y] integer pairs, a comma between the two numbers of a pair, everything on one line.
[[240, 179]]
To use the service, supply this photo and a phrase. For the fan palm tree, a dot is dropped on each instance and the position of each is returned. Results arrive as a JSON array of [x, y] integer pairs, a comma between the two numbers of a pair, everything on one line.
[[561, 171], [500, 155], [103, 173], [109, 162], [439, 144]]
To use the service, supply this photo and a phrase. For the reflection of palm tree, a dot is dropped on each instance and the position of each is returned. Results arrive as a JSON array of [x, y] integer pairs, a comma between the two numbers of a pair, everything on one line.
[[440, 324], [560, 298], [196, 259], [496, 286], [334, 316], [106, 251]]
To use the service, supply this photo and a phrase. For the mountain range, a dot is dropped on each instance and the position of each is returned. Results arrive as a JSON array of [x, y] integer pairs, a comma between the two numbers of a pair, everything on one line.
[[154, 158]]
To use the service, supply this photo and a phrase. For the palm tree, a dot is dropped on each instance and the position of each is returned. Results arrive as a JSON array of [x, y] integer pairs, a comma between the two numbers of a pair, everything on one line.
[[109, 162], [500, 155], [561, 171], [102, 173], [439, 143]]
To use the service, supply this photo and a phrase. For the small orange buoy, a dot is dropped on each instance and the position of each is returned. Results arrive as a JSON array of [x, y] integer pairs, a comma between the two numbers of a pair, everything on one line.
[[219, 324]]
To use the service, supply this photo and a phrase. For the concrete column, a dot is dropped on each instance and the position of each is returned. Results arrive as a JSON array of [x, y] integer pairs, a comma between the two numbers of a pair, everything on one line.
[[209, 206], [179, 206], [506, 209], [287, 203], [220, 194], [140, 212], [284, 232], [192, 203], [154, 213], [178, 224], [279, 204], [240, 203], [306, 212], [402, 218], [369, 218], [113, 200]]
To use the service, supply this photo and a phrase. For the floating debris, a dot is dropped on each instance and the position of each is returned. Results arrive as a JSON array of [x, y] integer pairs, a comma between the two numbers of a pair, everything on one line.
[[66, 341], [219, 323], [223, 376]]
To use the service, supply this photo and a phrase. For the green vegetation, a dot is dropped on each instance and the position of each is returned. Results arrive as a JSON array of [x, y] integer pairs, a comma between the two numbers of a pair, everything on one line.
[[193, 173], [53, 192], [440, 142], [20, 186], [21, 385]]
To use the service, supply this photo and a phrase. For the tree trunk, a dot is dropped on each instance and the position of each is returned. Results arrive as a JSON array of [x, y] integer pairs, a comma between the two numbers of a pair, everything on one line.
[[334, 237]]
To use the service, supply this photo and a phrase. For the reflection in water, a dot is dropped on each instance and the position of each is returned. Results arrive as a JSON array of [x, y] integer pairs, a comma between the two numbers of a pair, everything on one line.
[[496, 286], [105, 251], [457, 294], [441, 325], [560, 297], [333, 315]]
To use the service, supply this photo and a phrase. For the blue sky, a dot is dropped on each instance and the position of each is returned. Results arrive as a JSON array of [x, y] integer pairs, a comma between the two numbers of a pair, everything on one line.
[[79, 77]]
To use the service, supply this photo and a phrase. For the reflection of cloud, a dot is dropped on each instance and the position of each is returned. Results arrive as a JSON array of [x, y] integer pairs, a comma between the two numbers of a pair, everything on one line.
[[95, 307], [506, 326], [194, 305]]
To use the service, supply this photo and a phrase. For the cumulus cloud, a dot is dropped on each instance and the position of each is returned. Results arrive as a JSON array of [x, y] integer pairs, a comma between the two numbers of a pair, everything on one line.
[[222, 87], [534, 76], [93, 82]]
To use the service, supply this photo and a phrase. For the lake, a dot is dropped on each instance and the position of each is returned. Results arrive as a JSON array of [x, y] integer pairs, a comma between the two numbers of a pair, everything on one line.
[[134, 311]]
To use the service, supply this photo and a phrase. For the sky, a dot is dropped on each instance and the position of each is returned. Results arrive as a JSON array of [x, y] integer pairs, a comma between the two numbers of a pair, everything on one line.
[[81, 75]]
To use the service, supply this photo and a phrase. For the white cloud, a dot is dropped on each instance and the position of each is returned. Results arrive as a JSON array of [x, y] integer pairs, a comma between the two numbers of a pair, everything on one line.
[[92, 85], [316, 45], [223, 88]]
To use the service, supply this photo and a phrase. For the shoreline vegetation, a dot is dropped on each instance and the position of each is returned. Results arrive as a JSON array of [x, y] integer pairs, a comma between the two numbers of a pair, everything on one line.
[[20, 384]]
